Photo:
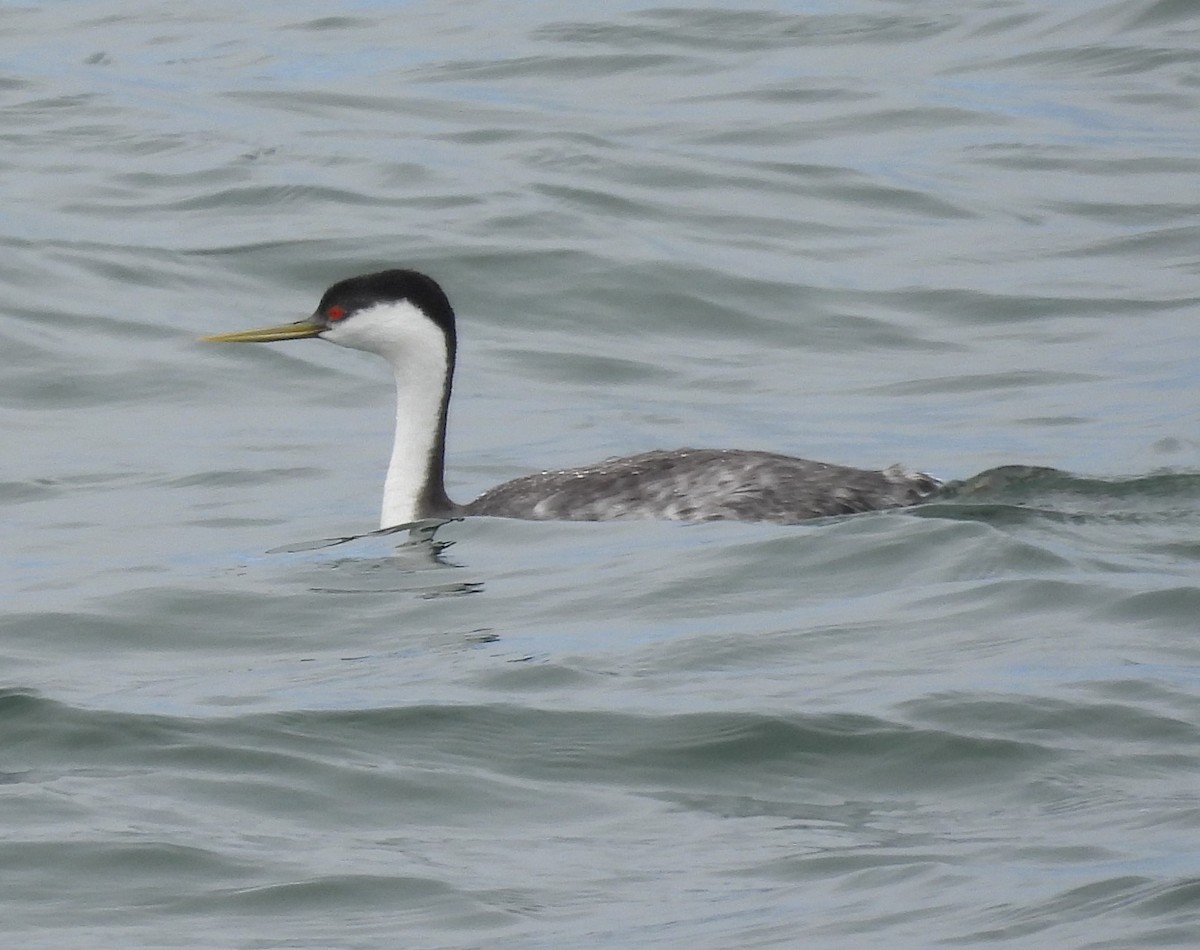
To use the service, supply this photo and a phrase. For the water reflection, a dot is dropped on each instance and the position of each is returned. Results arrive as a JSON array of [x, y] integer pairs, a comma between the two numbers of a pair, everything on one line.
[[413, 561]]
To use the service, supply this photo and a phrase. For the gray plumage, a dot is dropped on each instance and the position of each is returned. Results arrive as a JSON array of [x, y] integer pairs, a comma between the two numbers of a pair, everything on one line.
[[703, 485]]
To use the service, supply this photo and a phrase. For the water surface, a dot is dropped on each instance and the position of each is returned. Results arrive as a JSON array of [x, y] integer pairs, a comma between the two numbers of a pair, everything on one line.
[[958, 236]]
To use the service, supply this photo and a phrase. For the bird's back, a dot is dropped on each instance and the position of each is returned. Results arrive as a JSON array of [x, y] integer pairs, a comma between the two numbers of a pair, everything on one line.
[[704, 485]]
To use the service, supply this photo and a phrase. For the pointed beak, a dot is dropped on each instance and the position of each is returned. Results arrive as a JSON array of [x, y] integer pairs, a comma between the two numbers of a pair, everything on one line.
[[285, 331]]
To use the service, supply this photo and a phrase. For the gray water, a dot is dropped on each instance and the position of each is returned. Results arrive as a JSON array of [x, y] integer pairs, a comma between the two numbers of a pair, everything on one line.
[[954, 235]]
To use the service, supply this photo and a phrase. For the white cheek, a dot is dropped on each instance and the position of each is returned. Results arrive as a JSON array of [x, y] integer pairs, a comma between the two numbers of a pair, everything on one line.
[[393, 330], [356, 333]]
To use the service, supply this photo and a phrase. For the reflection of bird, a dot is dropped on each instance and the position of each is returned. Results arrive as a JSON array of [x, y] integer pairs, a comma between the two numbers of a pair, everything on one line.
[[405, 317]]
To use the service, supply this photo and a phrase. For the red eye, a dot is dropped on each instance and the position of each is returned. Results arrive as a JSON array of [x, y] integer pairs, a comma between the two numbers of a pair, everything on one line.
[[335, 313]]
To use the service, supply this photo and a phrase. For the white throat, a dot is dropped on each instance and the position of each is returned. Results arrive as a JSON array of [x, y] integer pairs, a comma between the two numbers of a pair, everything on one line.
[[416, 348]]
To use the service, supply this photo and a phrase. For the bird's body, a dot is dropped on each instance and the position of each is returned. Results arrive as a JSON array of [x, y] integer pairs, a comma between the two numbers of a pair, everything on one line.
[[405, 317], [703, 485]]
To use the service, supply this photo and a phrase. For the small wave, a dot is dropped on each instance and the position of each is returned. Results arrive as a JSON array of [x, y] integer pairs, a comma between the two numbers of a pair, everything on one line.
[[1019, 492]]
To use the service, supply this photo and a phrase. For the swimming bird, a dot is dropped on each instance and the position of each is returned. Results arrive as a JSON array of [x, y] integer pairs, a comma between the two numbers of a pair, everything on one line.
[[405, 317]]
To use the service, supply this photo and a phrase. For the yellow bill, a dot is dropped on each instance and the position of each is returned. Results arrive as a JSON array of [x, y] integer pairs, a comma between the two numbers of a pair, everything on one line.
[[285, 331]]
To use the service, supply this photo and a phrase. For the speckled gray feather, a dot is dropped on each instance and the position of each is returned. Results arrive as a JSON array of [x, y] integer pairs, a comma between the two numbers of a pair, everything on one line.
[[704, 485]]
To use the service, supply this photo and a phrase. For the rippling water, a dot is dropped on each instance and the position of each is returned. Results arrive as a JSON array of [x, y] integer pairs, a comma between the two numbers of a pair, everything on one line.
[[958, 235]]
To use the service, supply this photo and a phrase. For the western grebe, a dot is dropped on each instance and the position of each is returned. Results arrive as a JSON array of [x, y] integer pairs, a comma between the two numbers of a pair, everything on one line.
[[405, 317]]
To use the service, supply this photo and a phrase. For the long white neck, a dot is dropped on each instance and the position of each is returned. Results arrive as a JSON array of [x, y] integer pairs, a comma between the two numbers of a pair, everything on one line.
[[423, 361], [419, 427]]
